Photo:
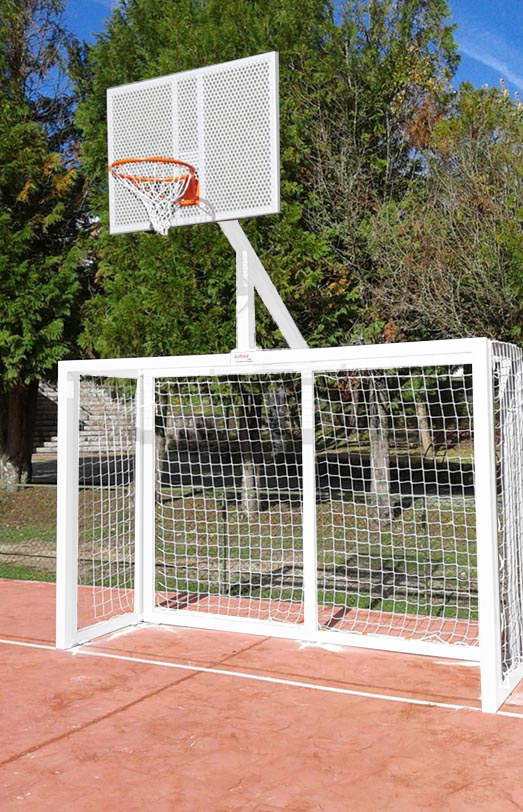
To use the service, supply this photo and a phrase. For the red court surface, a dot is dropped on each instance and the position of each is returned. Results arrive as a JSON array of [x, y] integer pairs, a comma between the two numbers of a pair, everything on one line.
[[172, 720]]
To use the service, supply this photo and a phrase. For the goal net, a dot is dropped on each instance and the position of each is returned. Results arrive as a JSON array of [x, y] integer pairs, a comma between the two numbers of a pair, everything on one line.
[[396, 514], [396, 545], [345, 495], [229, 496], [106, 498]]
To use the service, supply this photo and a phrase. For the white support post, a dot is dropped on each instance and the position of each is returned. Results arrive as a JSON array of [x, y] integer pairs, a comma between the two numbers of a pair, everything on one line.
[[138, 501], [67, 509], [259, 279], [245, 315], [486, 527], [310, 552], [147, 437]]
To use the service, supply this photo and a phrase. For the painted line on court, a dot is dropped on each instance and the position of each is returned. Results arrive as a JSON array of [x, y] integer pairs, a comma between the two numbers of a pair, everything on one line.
[[260, 678], [27, 645], [291, 683]]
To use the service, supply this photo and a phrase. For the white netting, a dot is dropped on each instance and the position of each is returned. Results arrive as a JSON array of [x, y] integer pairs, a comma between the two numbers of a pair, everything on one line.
[[396, 530], [106, 504], [229, 503], [160, 185], [508, 406], [396, 508]]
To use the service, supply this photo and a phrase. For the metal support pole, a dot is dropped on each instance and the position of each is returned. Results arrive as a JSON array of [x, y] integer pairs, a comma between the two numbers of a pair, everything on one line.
[[486, 527], [251, 275], [310, 552], [245, 311], [138, 501], [148, 495], [67, 509]]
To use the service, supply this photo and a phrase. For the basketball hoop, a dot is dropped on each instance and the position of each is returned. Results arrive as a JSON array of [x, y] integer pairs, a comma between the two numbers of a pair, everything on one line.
[[162, 184]]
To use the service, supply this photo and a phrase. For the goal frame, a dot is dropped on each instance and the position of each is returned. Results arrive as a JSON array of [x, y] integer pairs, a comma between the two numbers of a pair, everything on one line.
[[475, 351]]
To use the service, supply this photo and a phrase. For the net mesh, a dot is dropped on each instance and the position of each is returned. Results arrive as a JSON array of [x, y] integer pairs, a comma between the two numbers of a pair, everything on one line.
[[508, 410], [395, 507], [159, 185], [229, 503], [106, 501], [396, 513], [396, 528]]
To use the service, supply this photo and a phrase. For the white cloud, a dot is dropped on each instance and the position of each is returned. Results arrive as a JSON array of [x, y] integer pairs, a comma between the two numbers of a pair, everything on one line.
[[486, 58]]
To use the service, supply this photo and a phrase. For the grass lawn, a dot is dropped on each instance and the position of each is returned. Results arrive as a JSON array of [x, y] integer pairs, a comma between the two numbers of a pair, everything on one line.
[[28, 533], [22, 573], [422, 560]]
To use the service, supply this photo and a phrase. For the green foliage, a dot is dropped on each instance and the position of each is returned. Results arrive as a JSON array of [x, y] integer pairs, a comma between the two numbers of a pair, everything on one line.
[[161, 295], [450, 253], [37, 198], [37, 286]]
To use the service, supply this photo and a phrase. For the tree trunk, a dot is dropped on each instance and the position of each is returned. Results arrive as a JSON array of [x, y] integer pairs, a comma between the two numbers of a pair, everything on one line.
[[425, 434], [379, 456], [248, 444], [249, 496], [276, 407], [17, 413], [162, 454]]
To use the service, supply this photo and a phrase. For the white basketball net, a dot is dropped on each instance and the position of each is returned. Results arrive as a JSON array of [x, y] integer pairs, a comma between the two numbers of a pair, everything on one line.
[[160, 185]]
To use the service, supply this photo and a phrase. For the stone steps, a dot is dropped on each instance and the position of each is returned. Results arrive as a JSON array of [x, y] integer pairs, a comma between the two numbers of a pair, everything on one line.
[[102, 424]]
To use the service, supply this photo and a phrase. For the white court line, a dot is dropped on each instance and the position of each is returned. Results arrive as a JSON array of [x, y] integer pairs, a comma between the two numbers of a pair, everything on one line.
[[27, 645], [291, 683], [259, 678]]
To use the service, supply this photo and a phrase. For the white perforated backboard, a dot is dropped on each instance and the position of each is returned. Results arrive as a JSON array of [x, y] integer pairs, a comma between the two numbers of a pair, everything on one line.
[[223, 120]]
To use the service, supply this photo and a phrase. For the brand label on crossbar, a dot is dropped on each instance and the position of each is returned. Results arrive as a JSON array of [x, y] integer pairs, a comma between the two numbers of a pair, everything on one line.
[[238, 357]]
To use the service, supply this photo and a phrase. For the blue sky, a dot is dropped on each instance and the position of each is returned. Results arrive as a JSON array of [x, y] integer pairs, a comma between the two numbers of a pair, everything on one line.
[[489, 35], [85, 18], [490, 39]]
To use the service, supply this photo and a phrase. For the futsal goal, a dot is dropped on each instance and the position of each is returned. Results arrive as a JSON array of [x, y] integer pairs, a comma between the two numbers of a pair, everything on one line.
[[369, 496]]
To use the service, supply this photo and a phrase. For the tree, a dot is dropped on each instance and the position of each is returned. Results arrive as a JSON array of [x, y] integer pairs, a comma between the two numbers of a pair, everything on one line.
[[38, 200], [450, 254], [382, 84]]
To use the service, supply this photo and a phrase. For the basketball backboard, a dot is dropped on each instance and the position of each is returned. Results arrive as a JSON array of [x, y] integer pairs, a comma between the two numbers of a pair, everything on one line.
[[222, 119]]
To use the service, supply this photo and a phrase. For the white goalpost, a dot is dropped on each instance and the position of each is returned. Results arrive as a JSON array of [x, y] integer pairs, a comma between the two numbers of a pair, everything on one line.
[[364, 495], [293, 493]]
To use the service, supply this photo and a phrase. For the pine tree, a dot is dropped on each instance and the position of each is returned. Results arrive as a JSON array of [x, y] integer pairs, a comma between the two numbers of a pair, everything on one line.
[[38, 202]]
